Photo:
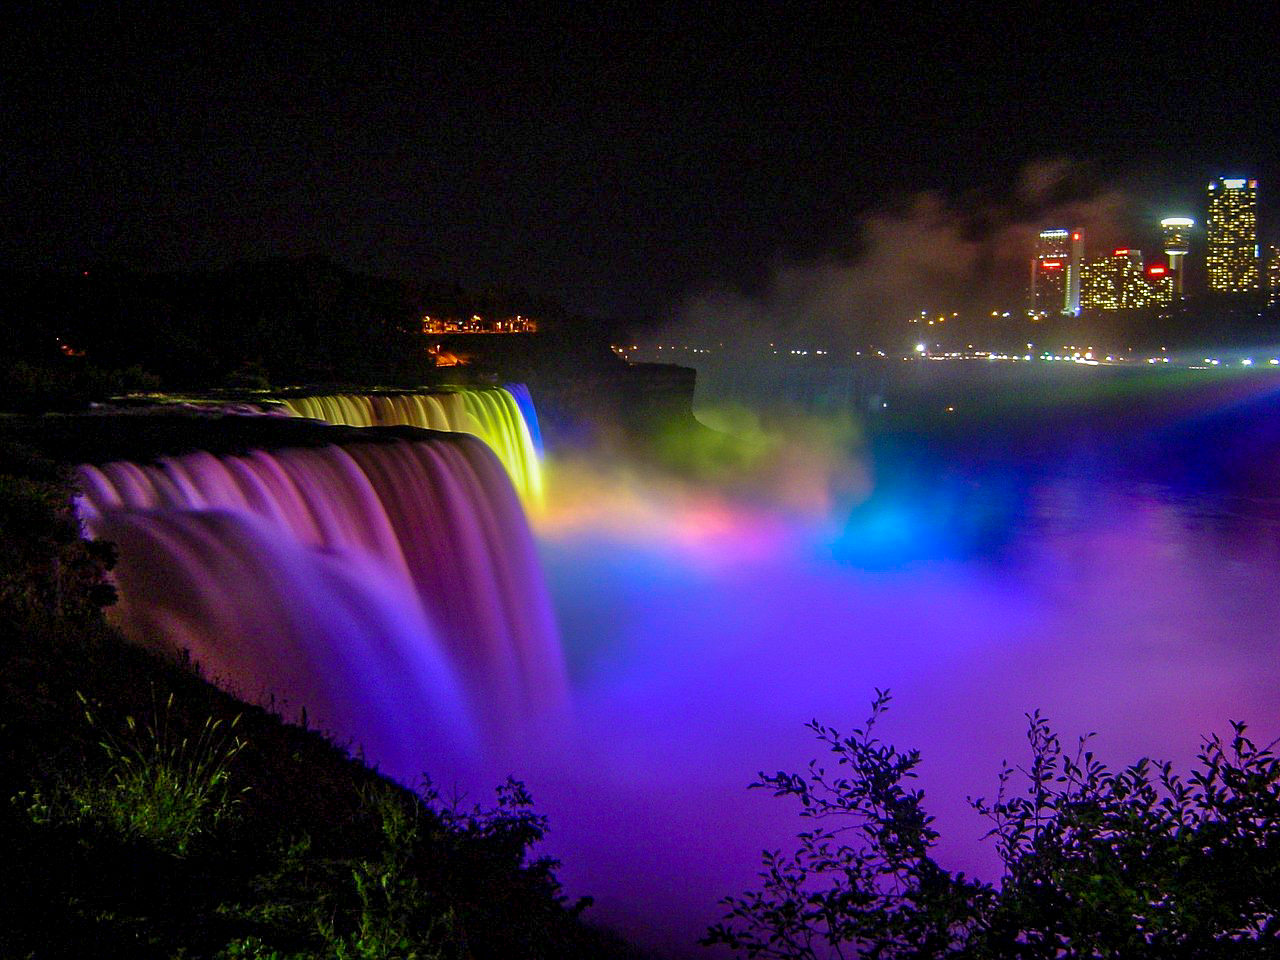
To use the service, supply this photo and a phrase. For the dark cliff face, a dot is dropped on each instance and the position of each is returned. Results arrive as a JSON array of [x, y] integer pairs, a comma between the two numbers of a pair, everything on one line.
[[660, 390], [628, 403]]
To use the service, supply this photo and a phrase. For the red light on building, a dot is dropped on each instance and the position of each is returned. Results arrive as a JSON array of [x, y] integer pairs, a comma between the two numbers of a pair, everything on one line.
[[1156, 270], [1075, 236], [1050, 264], [1124, 252]]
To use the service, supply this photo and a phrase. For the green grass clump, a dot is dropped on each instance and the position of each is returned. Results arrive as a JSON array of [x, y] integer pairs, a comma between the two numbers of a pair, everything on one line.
[[163, 785]]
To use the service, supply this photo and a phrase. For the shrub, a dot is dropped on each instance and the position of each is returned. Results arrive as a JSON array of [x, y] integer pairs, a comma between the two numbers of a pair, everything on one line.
[[394, 916], [432, 881], [48, 570], [1139, 863], [866, 883]]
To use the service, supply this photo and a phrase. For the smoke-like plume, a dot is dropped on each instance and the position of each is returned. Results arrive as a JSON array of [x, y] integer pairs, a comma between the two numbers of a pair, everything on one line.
[[929, 252]]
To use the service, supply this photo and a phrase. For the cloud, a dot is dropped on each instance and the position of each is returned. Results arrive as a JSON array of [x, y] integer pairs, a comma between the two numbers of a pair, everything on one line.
[[1040, 179]]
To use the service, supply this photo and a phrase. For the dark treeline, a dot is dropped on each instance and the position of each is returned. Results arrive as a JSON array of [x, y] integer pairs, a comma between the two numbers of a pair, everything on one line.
[[273, 322]]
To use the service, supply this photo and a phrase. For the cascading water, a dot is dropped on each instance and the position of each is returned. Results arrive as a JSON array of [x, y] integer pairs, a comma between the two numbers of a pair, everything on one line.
[[524, 400], [391, 587], [501, 417]]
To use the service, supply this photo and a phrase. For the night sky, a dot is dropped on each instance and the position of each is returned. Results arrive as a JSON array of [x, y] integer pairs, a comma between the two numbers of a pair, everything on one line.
[[621, 163]]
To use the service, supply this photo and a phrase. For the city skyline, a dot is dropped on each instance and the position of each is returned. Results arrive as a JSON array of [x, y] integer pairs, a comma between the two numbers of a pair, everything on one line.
[[1235, 260]]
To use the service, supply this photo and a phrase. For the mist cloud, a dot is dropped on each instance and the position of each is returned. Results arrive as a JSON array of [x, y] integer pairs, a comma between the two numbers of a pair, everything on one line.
[[928, 252]]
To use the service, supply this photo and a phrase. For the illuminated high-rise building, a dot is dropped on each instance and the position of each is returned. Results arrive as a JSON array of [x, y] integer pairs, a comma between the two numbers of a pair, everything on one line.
[[1232, 228], [1105, 279], [1177, 244], [1073, 277], [1055, 272], [1155, 288], [1273, 275], [1121, 282]]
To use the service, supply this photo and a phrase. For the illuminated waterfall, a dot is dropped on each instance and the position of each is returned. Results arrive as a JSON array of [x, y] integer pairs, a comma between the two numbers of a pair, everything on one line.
[[501, 417], [524, 400], [390, 587]]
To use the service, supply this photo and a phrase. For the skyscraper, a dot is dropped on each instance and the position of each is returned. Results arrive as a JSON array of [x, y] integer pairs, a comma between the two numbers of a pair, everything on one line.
[[1232, 227], [1073, 277], [1121, 282], [1055, 272], [1273, 275], [1176, 232]]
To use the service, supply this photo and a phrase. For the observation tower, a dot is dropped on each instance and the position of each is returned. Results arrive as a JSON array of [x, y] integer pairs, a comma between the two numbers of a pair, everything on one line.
[[1176, 232]]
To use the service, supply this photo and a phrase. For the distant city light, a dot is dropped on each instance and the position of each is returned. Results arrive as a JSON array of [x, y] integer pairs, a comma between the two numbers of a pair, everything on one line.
[[1063, 280], [478, 324]]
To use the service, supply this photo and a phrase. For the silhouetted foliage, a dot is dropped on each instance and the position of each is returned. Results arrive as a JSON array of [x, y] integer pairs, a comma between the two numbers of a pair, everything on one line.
[[1140, 862], [278, 321], [1136, 863], [863, 878]]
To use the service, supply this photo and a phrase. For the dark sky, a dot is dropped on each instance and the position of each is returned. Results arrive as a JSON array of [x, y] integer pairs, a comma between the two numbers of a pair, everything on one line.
[[619, 162]]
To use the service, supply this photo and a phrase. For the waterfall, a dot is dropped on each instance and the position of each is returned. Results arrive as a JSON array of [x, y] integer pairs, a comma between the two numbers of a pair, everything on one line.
[[524, 400], [504, 418], [391, 587]]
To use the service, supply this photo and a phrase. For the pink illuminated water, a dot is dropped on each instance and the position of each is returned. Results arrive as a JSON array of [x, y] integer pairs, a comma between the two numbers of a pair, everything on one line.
[[391, 589], [695, 667]]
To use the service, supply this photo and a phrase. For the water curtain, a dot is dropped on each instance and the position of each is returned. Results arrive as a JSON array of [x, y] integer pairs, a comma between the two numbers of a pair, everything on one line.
[[390, 587]]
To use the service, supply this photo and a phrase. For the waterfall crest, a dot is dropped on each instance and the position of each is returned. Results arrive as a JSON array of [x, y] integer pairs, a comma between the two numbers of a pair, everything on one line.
[[504, 418]]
